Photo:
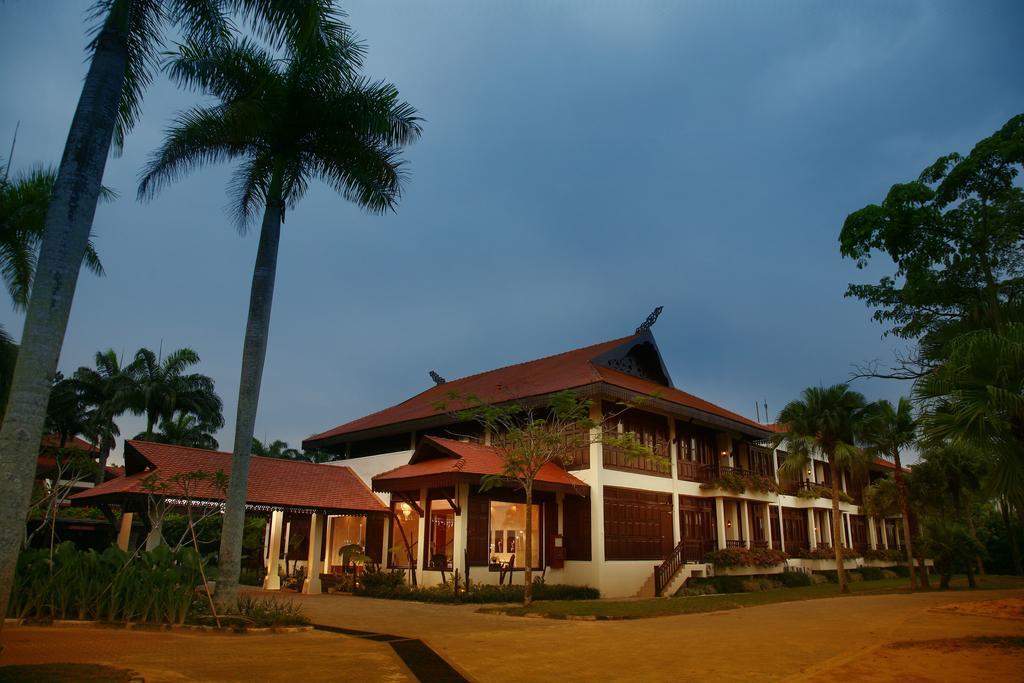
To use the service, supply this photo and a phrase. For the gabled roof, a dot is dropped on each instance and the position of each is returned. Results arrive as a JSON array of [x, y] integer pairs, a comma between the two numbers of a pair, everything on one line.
[[441, 462], [590, 366], [272, 482]]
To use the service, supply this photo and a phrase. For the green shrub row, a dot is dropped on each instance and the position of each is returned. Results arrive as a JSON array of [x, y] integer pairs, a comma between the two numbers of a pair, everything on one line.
[[823, 492], [156, 586], [885, 555], [392, 585], [825, 554], [736, 483]]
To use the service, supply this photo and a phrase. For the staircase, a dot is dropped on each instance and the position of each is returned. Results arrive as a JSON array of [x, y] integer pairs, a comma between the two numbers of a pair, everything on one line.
[[681, 564]]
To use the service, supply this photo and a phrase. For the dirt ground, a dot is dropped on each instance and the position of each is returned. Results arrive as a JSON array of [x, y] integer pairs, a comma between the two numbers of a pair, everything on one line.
[[892, 637], [169, 656]]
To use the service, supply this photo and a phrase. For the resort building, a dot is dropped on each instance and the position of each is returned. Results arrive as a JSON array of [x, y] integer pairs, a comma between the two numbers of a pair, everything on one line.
[[406, 490], [625, 526]]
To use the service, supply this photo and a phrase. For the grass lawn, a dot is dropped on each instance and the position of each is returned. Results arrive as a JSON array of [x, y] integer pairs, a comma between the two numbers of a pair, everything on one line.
[[660, 607]]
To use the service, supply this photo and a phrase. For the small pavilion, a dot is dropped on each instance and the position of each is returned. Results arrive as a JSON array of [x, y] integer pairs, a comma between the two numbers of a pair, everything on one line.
[[315, 498]]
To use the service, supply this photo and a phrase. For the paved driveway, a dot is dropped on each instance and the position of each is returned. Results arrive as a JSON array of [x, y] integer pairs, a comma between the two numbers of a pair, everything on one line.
[[798, 640]]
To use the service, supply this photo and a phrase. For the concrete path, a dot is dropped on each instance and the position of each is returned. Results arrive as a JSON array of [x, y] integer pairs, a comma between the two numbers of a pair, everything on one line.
[[796, 640]]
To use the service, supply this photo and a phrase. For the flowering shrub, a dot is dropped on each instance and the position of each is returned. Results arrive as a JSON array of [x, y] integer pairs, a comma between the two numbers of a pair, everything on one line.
[[823, 492], [727, 481], [745, 557], [730, 481]]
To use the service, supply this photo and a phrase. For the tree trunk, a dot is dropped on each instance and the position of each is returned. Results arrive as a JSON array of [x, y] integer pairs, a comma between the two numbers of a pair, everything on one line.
[[923, 574], [901, 494], [528, 549], [254, 352], [66, 234], [837, 520]]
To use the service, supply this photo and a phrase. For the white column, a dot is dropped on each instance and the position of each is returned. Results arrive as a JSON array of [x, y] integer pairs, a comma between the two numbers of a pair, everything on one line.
[[885, 534], [720, 521], [849, 530], [124, 533], [768, 524], [315, 559], [461, 531], [748, 539], [673, 454], [272, 581], [872, 534], [812, 534], [899, 535], [328, 543]]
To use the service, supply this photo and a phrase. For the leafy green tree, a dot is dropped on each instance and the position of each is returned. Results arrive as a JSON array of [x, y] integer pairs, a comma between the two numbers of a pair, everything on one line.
[[288, 121], [956, 237], [126, 41], [825, 421], [888, 430], [104, 392], [160, 387]]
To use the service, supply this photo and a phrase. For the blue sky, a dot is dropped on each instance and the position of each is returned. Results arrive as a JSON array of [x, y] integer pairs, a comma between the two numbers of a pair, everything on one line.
[[582, 162]]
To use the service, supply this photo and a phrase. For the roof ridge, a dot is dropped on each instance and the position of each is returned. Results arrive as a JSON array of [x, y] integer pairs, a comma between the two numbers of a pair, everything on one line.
[[536, 360], [231, 455]]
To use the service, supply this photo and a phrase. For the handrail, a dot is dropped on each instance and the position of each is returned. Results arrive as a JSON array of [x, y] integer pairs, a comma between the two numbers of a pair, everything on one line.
[[686, 551], [664, 572]]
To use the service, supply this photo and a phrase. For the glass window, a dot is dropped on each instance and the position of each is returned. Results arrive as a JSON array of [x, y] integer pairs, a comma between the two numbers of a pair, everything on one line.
[[405, 535], [508, 535], [441, 534]]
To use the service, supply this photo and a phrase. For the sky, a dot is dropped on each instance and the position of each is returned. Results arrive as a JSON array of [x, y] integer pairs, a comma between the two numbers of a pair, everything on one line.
[[581, 162]]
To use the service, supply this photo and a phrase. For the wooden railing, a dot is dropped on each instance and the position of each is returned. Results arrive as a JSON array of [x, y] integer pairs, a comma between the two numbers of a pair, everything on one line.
[[759, 544], [692, 471], [664, 572], [735, 544]]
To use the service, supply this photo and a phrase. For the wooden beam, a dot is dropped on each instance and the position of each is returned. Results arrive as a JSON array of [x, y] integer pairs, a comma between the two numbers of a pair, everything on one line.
[[455, 506], [412, 503]]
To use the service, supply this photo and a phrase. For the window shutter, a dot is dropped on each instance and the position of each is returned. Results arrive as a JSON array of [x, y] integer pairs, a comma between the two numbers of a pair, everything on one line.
[[375, 537], [476, 530]]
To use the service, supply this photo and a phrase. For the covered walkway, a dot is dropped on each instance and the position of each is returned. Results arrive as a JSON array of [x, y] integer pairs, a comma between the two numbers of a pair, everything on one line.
[[329, 503]]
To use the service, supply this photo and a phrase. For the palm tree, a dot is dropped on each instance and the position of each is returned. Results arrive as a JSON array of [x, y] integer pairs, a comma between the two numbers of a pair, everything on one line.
[[185, 429], [65, 413], [825, 421], [23, 204], [288, 121], [104, 391], [275, 449], [126, 41], [888, 430], [159, 388]]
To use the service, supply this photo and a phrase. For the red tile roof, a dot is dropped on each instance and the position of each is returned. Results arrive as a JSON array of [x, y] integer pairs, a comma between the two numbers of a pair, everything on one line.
[[446, 461], [53, 441], [272, 482], [569, 370]]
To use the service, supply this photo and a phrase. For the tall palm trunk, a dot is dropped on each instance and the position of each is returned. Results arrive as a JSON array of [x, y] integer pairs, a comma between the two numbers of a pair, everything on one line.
[[66, 234], [837, 521], [101, 472], [901, 494], [254, 352]]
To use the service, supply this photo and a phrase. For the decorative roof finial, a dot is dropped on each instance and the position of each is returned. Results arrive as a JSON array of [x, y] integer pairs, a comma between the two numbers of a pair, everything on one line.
[[645, 326], [438, 379]]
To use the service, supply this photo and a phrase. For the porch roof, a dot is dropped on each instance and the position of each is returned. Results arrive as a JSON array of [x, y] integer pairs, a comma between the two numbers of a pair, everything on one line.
[[273, 483], [441, 462]]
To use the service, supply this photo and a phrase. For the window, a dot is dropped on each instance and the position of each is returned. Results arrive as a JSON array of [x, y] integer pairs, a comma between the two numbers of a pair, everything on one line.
[[507, 535], [440, 535], [637, 524], [405, 535]]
